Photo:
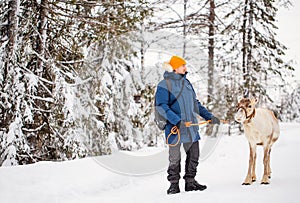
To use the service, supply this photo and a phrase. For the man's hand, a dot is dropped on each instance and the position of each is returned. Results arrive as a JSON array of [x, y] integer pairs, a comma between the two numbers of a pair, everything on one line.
[[215, 120]]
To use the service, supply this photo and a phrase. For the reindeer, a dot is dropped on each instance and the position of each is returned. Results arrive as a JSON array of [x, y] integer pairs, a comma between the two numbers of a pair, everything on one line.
[[261, 128]]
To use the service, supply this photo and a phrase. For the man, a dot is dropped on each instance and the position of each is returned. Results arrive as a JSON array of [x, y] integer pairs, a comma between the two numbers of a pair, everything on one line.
[[176, 99]]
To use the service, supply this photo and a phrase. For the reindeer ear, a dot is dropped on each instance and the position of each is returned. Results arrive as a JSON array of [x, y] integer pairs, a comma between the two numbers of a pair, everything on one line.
[[254, 100], [239, 98]]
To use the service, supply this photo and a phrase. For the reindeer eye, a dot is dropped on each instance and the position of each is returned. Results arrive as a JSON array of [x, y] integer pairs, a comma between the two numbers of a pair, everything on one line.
[[249, 106]]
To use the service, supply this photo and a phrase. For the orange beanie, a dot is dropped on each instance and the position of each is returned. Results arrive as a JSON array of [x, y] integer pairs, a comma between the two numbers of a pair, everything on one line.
[[176, 62]]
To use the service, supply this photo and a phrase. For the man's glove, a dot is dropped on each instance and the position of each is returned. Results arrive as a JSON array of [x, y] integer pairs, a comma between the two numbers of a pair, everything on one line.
[[215, 120]]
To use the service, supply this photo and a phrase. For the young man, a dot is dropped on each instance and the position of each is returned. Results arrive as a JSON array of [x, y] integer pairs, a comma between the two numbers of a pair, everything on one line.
[[177, 102]]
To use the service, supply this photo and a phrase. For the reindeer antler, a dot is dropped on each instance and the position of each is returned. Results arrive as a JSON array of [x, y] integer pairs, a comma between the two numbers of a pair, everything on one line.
[[246, 93]]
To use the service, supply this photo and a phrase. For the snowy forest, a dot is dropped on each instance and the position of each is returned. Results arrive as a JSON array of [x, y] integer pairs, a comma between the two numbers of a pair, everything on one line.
[[78, 78]]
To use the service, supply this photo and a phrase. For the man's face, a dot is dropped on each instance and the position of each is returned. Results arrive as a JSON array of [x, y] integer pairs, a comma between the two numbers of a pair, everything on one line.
[[181, 70]]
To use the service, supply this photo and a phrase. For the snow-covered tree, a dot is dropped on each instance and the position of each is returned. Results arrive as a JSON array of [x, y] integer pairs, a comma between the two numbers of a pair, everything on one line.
[[262, 53], [75, 78], [48, 110], [290, 106]]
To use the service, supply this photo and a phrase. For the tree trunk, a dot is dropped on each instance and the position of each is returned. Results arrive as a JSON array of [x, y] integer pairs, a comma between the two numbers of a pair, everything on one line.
[[13, 6], [249, 44], [246, 47], [184, 28], [142, 52], [9, 60], [41, 40], [12, 31], [211, 41]]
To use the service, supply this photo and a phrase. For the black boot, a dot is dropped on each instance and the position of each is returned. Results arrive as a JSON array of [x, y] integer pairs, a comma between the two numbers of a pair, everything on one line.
[[194, 186], [173, 189]]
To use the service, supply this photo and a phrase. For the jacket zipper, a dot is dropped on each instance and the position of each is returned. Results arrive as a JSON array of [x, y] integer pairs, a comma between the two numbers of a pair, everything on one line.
[[188, 131]]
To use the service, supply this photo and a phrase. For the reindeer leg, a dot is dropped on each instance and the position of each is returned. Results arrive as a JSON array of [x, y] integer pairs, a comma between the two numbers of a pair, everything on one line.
[[269, 172], [248, 179], [265, 179], [253, 167]]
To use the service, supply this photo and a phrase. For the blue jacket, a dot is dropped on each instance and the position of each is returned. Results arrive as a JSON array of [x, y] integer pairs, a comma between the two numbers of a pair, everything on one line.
[[184, 109]]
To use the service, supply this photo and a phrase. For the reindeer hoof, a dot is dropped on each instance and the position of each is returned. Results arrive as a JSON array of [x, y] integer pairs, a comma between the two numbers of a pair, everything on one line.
[[246, 184], [265, 183]]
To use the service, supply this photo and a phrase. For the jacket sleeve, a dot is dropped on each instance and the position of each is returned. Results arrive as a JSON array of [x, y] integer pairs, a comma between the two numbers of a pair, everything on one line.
[[162, 104], [203, 112]]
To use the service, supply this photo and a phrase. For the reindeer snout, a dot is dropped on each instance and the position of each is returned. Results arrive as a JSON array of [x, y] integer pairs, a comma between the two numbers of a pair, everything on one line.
[[237, 119], [239, 116]]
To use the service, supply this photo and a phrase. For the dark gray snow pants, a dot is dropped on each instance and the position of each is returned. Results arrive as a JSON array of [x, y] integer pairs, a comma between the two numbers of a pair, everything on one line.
[[191, 162]]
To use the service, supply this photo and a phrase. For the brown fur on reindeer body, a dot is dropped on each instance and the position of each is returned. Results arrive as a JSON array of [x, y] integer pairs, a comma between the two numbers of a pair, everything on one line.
[[261, 128]]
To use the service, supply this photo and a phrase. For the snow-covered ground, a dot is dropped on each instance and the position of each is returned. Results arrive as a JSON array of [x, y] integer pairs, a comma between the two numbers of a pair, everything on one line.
[[86, 180]]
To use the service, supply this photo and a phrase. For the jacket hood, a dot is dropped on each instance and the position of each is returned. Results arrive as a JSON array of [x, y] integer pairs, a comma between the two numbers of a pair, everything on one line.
[[174, 76]]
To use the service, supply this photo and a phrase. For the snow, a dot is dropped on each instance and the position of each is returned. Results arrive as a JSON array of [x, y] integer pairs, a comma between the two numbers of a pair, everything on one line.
[[85, 180]]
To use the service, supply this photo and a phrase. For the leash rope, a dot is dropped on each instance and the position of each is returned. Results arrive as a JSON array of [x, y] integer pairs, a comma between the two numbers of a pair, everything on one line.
[[175, 130]]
